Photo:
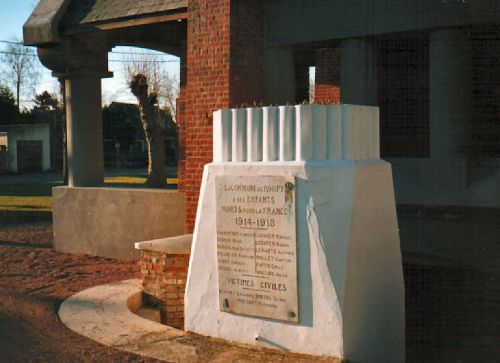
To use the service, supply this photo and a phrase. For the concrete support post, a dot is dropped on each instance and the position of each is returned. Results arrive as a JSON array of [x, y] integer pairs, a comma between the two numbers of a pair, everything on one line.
[[450, 93], [280, 76], [84, 123], [358, 72]]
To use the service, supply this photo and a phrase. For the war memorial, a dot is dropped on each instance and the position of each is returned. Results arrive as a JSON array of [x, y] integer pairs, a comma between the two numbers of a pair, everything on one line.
[[296, 237], [283, 232]]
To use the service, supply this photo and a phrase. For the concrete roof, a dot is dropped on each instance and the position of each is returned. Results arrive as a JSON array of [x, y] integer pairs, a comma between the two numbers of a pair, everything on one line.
[[43, 26], [92, 11]]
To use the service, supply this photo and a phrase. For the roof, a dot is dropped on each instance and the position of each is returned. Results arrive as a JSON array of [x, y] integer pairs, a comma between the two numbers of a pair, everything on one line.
[[93, 11], [43, 26], [7, 128]]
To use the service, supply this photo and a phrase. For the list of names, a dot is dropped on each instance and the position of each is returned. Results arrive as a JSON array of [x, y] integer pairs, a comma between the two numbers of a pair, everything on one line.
[[257, 246]]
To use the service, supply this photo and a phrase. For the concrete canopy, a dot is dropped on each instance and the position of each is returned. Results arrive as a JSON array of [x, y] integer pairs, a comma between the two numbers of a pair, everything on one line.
[[41, 26], [72, 35], [53, 19], [73, 40]]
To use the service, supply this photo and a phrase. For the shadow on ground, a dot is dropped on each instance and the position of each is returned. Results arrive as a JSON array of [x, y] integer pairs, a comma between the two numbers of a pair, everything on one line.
[[452, 275], [452, 304], [8, 218], [29, 189], [451, 314]]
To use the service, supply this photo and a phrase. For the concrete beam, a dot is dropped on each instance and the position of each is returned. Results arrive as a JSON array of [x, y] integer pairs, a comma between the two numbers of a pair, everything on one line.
[[303, 21]]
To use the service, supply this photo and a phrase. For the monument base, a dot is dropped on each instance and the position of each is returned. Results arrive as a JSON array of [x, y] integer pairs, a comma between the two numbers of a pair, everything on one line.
[[349, 270]]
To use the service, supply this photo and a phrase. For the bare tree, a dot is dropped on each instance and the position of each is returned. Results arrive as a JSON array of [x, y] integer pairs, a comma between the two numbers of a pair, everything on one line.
[[153, 87], [160, 82], [153, 128], [20, 69], [64, 130]]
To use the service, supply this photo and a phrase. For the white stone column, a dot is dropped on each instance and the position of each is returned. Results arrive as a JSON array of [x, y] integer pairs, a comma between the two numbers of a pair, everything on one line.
[[358, 68], [222, 146], [84, 123], [450, 93], [286, 133], [254, 134], [239, 134], [270, 134]]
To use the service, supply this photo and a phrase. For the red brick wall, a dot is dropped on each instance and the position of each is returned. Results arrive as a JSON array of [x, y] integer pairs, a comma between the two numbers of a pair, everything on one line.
[[224, 69], [207, 89], [327, 81], [164, 283], [247, 53]]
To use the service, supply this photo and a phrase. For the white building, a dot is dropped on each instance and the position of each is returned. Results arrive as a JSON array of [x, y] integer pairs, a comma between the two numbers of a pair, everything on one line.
[[25, 148]]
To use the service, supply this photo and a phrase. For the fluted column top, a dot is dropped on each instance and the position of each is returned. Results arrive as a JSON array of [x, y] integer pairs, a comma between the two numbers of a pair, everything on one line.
[[297, 133]]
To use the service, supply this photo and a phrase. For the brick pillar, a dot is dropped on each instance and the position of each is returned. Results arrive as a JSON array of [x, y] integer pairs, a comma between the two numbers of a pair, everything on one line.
[[327, 81], [247, 53], [208, 57], [224, 69], [180, 116], [164, 282]]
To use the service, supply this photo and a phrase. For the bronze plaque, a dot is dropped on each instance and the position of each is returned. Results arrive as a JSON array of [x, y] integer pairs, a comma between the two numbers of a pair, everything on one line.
[[257, 246]]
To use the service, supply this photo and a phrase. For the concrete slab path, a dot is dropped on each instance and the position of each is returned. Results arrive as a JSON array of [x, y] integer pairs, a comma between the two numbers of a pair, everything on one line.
[[101, 313]]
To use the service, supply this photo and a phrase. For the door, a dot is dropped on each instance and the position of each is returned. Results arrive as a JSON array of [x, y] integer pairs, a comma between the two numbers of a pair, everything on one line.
[[29, 156]]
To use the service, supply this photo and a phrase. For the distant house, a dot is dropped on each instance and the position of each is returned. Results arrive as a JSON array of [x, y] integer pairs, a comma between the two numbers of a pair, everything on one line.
[[24, 148]]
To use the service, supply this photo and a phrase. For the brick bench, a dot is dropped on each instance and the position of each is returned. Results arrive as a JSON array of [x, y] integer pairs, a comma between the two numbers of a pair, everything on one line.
[[164, 266]]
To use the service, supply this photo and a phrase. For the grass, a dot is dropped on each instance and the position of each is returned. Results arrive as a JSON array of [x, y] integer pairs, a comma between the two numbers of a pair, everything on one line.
[[132, 182], [34, 198], [37, 196], [137, 179], [26, 202], [27, 197], [125, 180]]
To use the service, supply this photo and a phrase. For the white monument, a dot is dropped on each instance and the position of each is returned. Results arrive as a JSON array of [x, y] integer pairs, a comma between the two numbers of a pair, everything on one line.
[[296, 242]]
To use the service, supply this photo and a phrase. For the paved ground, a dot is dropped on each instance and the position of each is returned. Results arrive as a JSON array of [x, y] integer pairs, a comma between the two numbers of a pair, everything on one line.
[[452, 284], [101, 313], [468, 236], [452, 311], [35, 280]]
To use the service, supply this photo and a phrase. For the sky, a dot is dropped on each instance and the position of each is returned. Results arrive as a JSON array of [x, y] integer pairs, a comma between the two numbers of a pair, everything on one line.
[[13, 14]]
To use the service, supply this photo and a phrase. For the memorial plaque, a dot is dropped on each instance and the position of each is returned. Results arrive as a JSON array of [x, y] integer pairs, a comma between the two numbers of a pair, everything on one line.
[[257, 246]]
